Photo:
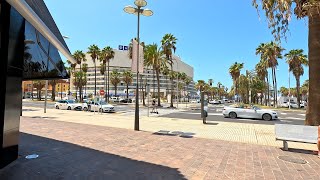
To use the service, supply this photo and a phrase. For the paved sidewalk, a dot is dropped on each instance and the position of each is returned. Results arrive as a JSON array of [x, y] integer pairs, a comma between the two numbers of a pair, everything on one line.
[[80, 151], [236, 132]]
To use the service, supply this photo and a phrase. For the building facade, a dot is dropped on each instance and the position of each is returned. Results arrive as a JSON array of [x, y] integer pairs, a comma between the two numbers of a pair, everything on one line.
[[121, 62], [61, 89]]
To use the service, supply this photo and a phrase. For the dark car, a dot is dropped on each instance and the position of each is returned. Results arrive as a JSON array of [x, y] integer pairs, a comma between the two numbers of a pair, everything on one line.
[[126, 101]]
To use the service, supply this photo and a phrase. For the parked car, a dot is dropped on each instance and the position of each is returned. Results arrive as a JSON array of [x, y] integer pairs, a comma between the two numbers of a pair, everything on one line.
[[195, 101], [115, 99], [252, 112], [126, 100], [101, 107], [284, 104], [215, 102], [68, 104]]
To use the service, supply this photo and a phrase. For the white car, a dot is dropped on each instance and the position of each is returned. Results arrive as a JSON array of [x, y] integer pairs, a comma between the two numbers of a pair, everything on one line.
[[253, 113], [68, 104], [284, 104], [101, 107], [215, 102], [295, 105]]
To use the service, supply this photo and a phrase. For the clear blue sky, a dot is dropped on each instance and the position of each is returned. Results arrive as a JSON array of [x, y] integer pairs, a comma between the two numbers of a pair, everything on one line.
[[211, 34]]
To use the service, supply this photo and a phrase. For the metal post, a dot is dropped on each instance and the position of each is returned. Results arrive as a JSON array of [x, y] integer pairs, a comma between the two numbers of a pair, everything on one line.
[[136, 119], [45, 97], [177, 90]]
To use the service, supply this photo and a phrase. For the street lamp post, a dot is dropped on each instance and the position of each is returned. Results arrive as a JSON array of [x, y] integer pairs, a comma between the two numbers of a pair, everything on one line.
[[289, 89], [146, 12]]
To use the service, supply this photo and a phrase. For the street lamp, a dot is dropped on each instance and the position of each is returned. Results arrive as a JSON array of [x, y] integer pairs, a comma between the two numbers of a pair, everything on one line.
[[146, 12]]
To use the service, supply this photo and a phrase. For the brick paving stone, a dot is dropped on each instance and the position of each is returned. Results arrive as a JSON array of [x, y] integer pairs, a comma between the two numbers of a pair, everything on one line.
[[81, 151]]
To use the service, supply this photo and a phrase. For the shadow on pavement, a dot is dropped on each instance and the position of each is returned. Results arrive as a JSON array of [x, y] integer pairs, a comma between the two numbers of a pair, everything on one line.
[[175, 133], [62, 160]]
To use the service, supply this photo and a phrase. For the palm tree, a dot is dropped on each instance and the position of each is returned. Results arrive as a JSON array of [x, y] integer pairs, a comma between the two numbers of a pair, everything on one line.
[[234, 71], [219, 89], [107, 54], [153, 56], [115, 80], [165, 71], [284, 91], [80, 57], [85, 70], [200, 85], [172, 76], [295, 59], [262, 73], [168, 44], [39, 85], [187, 82], [279, 13], [127, 78], [94, 52]]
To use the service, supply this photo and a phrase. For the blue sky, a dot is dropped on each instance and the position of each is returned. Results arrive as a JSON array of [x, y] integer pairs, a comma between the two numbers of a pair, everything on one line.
[[211, 34]]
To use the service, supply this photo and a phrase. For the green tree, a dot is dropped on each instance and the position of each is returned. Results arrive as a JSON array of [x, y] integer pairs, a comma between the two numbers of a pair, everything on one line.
[[169, 47], [127, 78], [80, 57], [284, 91], [154, 57], [115, 80], [39, 85], [53, 84], [94, 52], [295, 59], [106, 55], [234, 71], [200, 85], [279, 13], [262, 74]]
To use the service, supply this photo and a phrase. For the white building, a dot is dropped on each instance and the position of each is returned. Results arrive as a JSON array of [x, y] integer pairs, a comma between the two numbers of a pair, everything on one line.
[[121, 63]]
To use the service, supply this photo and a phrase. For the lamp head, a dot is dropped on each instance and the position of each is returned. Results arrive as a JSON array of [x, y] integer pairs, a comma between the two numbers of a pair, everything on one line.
[[140, 3]]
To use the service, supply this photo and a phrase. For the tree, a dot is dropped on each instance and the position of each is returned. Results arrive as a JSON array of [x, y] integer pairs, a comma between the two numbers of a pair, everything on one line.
[[127, 78], [168, 44], [53, 84], [295, 59], [154, 57], [165, 71], [115, 80], [187, 82], [39, 85], [262, 74], [107, 54], [279, 13], [284, 91], [94, 52], [200, 85], [234, 71], [85, 70], [80, 57]]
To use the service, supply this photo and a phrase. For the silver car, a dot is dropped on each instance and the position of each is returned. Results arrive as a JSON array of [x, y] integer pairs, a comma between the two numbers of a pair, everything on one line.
[[252, 113]]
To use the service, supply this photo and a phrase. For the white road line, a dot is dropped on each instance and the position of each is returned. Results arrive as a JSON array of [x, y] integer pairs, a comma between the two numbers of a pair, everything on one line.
[[294, 118], [302, 114], [284, 113]]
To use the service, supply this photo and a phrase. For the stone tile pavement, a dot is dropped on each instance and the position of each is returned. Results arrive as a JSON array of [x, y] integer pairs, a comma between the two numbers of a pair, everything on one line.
[[80, 151], [236, 132]]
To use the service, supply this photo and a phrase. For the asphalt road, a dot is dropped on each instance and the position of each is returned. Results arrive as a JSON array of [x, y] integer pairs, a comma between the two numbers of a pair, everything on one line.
[[215, 114]]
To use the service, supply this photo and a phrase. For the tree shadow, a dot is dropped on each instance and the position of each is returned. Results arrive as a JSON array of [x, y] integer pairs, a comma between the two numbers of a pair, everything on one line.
[[175, 133], [62, 160]]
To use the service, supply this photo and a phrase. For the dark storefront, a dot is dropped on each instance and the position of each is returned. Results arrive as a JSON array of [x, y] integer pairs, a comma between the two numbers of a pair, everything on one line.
[[25, 54]]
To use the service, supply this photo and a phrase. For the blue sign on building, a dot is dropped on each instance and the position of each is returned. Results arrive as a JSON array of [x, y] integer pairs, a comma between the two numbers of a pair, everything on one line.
[[125, 48], [120, 47]]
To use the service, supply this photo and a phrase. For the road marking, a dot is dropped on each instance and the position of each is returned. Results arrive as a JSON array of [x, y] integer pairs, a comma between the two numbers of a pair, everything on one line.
[[302, 114], [209, 114], [284, 113]]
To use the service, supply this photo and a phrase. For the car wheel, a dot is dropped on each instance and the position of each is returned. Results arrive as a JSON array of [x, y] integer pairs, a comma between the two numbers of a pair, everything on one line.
[[89, 108], [57, 107], [69, 108], [267, 117], [233, 115], [85, 109]]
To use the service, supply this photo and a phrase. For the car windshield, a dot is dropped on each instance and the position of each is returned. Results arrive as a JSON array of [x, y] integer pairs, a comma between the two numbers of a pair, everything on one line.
[[256, 108], [70, 102]]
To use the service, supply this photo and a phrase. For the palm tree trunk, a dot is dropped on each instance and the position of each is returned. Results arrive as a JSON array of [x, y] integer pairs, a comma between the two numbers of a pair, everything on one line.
[[298, 90], [158, 82], [154, 84], [95, 79], [80, 83], [273, 85], [143, 94], [268, 90], [276, 88], [115, 90], [171, 98], [127, 91], [108, 86]]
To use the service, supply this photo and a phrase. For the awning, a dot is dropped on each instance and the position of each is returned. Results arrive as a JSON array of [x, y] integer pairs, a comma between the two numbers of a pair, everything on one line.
[[55, 38]]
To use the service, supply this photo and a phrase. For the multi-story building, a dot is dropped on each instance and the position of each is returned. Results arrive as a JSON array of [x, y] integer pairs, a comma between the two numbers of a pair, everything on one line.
[[121, 62], [61, 90]]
